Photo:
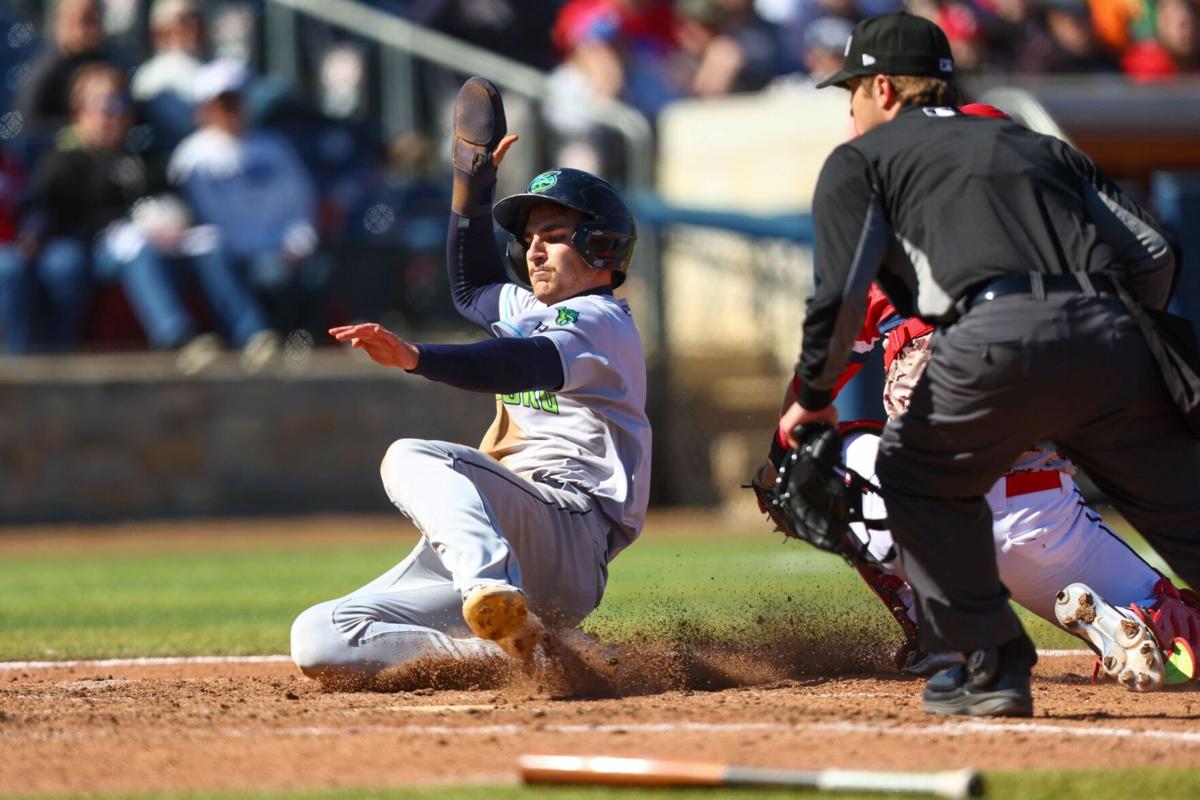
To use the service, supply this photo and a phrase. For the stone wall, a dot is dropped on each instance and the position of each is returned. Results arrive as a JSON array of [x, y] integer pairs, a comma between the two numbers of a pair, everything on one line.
[[105, 437]]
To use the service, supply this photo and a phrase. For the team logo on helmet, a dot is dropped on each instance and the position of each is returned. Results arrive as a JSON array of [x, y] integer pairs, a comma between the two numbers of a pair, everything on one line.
[[543, 182]]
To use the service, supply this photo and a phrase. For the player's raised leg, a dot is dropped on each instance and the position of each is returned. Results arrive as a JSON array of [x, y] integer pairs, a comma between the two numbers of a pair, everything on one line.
[[516, 550]]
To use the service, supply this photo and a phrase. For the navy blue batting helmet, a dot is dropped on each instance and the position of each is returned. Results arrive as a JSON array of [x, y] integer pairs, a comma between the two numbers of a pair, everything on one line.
[[605, 237]]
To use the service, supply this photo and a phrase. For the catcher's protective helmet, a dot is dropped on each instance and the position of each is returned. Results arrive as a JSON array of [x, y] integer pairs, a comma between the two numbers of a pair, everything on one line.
[[605, 237]]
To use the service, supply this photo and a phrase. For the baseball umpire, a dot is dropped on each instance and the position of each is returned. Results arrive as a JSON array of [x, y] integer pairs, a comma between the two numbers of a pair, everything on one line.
[[517, 534], [1017, 247]]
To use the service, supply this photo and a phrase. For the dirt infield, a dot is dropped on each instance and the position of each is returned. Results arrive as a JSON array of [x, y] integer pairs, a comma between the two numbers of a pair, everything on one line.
[[117, 726], [797, 699]]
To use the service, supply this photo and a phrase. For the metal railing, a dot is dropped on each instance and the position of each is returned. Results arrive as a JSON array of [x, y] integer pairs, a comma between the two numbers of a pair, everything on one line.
[[1022, 106], [403, 40], [437, 48]]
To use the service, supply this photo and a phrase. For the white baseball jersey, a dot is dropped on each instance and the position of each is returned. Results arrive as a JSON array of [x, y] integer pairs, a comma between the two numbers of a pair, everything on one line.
[[593, 432]]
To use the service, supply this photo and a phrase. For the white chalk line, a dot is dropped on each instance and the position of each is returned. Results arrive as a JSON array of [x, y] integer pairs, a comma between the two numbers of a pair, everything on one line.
[[948, 729], [167, 661], [150, 661], [952, 729], [940, 729]]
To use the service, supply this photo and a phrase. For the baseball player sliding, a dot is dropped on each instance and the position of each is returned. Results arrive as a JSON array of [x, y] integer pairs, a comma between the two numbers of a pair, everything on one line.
[[516, 535], [1054, 552]]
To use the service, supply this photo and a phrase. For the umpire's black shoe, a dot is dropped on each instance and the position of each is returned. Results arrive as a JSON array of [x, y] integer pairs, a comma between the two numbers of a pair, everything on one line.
[[992, 683]]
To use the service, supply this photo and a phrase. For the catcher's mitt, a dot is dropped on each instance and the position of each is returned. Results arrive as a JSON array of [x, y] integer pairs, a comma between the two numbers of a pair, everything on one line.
[[815, 497]]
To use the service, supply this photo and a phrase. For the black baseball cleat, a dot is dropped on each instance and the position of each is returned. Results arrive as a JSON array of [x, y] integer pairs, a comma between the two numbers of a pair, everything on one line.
[[924, 665], [992, 683]]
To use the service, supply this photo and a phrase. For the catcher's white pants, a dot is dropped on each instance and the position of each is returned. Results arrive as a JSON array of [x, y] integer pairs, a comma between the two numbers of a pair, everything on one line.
[[1045, 540], [480, 523]]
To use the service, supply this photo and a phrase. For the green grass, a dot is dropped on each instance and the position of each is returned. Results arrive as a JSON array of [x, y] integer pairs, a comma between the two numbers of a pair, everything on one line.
[[1024, 785], [238, 601], [241, 600], [748, 586], [215, 602]]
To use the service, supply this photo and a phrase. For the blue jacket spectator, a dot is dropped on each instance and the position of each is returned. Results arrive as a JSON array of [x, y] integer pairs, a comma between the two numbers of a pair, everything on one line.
[[255, 193], [93, 215]]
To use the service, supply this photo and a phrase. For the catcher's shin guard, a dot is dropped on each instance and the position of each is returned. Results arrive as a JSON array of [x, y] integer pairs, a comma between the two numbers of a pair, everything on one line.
[[890, 590], [479, 125]]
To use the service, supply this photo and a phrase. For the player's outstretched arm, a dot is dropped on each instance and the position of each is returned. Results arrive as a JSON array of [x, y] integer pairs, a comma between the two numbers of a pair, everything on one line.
[[503, 365], [383, 346]]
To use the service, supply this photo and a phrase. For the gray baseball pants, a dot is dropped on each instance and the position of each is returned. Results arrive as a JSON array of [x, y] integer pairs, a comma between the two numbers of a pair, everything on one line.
[[480, 523], [1068, 368]]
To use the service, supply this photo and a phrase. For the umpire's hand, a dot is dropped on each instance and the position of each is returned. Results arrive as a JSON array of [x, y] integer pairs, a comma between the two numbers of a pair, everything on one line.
[[797, 415]]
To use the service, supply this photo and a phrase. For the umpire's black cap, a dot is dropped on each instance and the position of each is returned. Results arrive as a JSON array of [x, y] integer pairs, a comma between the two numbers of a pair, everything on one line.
[[895, 44]]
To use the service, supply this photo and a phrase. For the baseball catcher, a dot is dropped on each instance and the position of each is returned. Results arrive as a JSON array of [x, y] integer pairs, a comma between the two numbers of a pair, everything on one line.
[[1057, 557]]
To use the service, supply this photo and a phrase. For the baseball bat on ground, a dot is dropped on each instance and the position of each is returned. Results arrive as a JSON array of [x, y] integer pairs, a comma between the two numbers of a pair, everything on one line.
[[650, 772]]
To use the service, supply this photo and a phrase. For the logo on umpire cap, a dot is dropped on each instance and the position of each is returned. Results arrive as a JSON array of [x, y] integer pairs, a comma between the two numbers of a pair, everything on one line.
[[895, 44], [543, 182]]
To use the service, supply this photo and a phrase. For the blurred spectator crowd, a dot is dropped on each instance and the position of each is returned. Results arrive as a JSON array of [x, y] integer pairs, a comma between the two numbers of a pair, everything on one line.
[[159, 188]]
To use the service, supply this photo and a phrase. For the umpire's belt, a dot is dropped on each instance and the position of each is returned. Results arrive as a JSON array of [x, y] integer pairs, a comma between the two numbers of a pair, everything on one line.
[[1027, 283]]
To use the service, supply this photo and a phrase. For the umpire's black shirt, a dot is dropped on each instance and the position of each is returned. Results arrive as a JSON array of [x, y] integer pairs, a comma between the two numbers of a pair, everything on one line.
[[936, 203]]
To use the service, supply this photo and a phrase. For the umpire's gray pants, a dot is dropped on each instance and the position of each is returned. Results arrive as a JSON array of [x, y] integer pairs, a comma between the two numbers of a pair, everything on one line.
[[480, 524], [1069, 368]]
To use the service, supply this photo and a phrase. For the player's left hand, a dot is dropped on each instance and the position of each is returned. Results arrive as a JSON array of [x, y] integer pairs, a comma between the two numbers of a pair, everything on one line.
[[797, 415], [383, 346]]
